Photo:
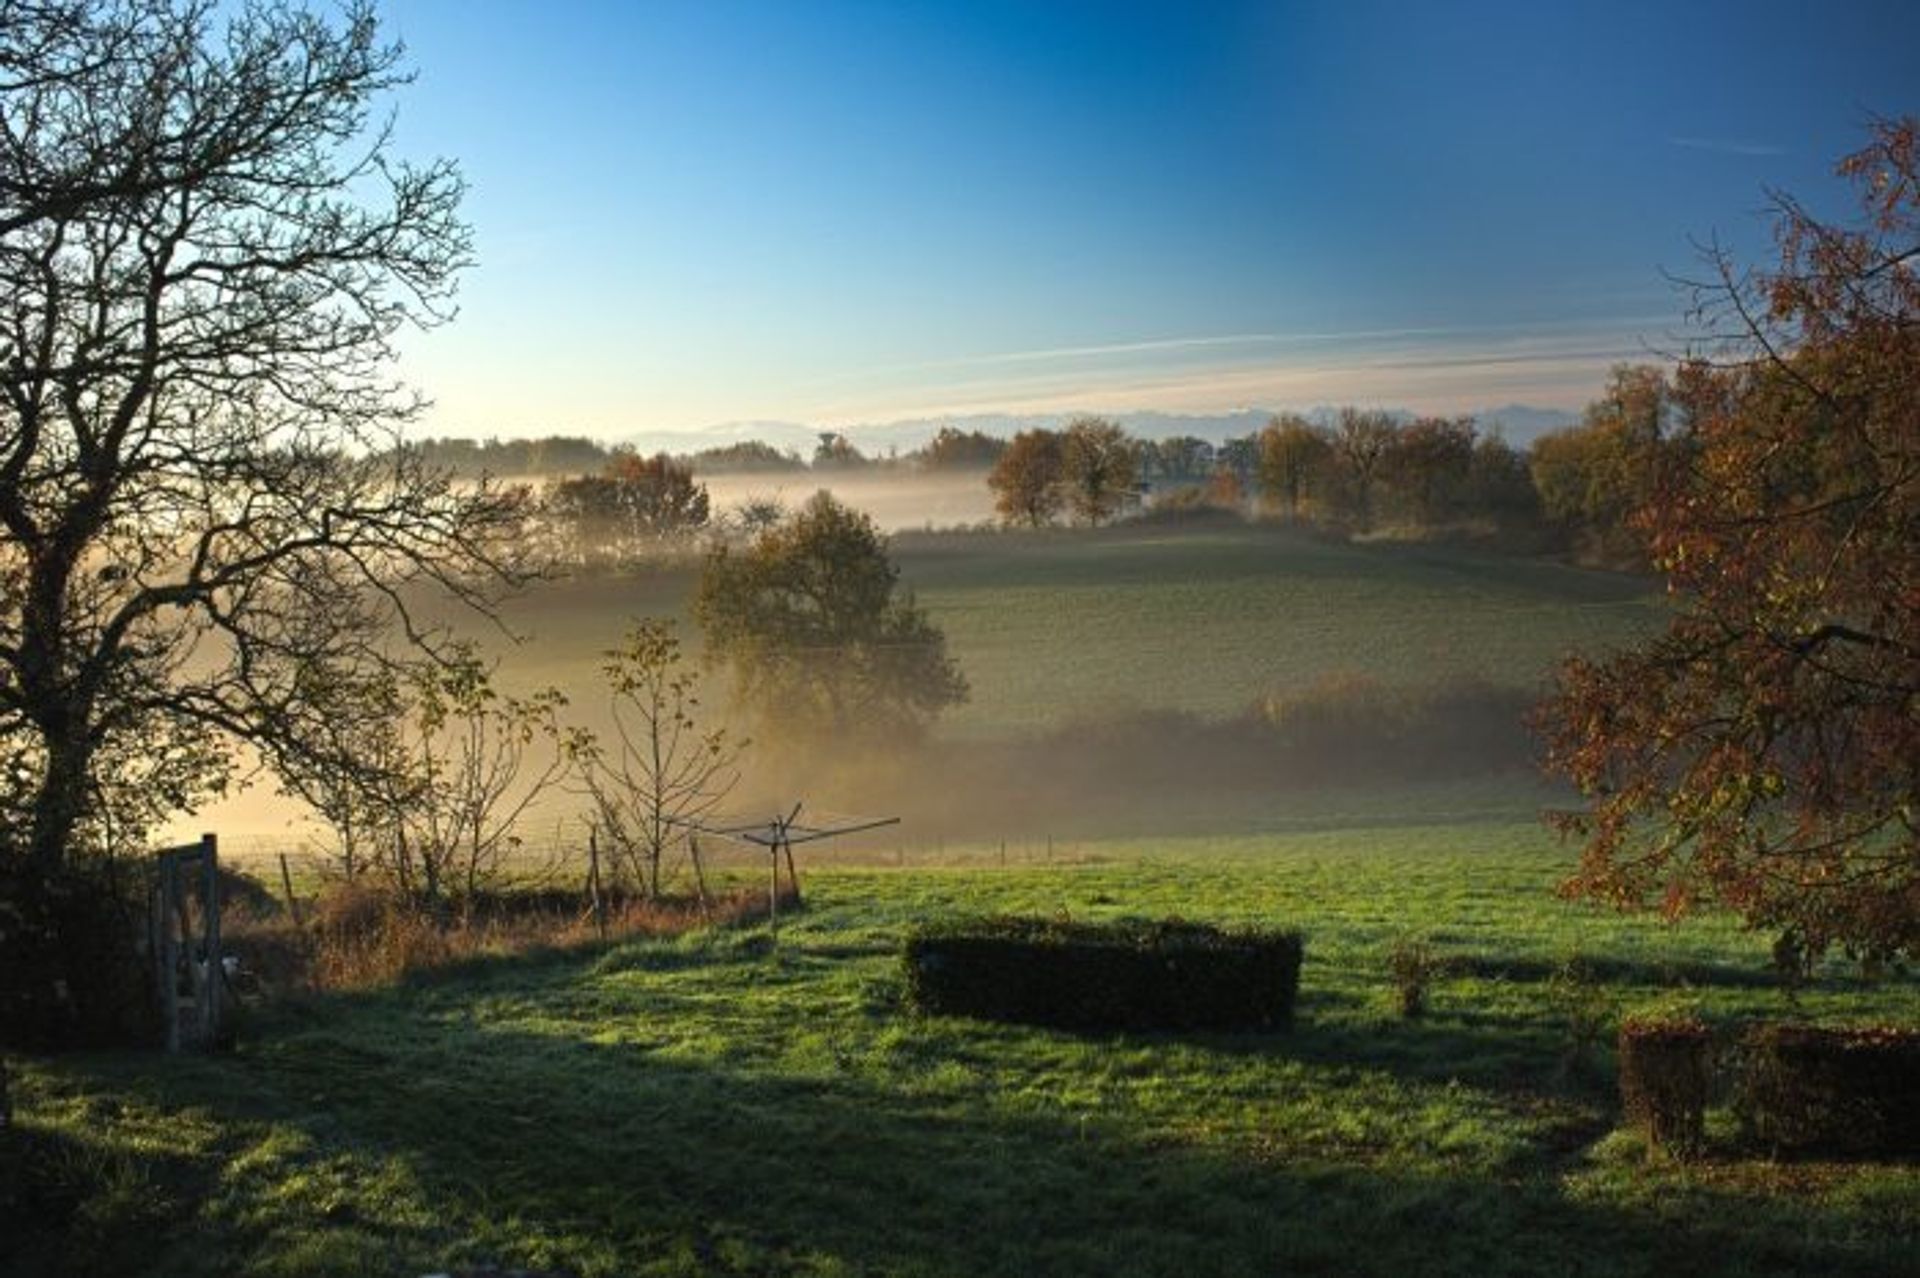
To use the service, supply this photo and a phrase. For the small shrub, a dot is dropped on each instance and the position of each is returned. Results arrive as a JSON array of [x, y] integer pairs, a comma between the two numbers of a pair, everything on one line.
[[72, 968], [1413, 965], [1114, 976], [1586, 1008], [403, 940], [1807, 1089], [1666, 1069]]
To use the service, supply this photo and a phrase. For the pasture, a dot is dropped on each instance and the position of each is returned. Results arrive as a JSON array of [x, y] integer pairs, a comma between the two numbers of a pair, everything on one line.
[[729, 1103], [1204, 618], [1060, 629]]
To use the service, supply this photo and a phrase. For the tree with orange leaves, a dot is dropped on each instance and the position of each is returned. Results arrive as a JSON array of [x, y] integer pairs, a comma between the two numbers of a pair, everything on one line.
[[1763, 754]]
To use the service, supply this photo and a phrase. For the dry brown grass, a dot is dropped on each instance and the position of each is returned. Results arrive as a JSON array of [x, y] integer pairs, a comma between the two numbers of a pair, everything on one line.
[[354, 937]]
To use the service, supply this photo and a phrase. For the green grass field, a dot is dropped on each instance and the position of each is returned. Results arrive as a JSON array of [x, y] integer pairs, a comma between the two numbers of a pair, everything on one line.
[[721, 1103], [1058, 628], [1208, 619], [1056, 625]]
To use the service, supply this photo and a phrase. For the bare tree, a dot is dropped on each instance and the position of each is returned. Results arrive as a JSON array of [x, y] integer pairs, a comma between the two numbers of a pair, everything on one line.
[[205, 255], [663, 768], [1361, 443], [206, 252]]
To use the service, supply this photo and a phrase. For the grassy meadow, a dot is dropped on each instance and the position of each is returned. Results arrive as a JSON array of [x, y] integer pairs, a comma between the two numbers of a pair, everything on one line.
[[1202, 618], [732, 1102]]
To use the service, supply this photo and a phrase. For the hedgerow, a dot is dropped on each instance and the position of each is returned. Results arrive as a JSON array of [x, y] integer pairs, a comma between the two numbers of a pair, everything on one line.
[[1129, 975]]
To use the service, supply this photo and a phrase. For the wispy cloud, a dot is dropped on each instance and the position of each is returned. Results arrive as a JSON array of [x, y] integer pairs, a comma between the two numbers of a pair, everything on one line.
[[1112, 348], [1231, 347], [1454, 371], [1727, 146]]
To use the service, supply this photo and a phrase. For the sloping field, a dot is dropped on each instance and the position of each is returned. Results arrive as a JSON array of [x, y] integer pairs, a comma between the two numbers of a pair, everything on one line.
[[1207, 619], [1050, 626]]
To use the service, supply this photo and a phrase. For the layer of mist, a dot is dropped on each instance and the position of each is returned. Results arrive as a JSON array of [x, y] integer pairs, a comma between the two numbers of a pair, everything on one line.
[[895, 500], [1161, 771]]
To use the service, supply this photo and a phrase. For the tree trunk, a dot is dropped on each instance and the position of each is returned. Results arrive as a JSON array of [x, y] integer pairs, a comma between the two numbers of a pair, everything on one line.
[[61, 801]]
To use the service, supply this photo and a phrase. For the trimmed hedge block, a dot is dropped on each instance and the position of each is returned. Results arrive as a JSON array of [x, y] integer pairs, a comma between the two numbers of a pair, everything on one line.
[[1142, 976], [1810, 1090], [1666, 1070]]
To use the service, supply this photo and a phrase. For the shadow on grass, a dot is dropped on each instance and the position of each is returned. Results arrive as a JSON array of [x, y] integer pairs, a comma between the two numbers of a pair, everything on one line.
[[1613, 971], [553, 1149], [55, 1188]]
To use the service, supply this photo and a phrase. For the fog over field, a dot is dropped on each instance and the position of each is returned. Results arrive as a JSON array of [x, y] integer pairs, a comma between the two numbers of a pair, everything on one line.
[[1172, 675], [896, 501]]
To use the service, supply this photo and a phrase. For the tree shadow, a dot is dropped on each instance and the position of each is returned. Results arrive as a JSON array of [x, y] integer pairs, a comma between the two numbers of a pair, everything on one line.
[[615, 1157], [1604, 969]]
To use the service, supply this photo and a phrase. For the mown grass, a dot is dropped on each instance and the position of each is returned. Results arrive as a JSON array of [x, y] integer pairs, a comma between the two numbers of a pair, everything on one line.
[[725, 1102]]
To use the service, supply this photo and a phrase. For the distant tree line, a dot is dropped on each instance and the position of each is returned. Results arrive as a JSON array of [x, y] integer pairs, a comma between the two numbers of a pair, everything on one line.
[[1368, 471], [630, 508], [949, 449], [1360, 472]]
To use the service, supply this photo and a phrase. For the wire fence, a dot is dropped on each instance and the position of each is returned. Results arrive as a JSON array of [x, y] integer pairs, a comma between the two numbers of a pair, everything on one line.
[[565, 858]]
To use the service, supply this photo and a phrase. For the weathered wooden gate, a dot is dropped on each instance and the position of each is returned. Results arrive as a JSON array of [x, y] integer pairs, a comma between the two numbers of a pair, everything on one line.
[[184, 932]]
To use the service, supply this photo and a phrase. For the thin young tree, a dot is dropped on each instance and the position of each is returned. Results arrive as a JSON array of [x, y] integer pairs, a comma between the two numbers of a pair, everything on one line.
[[431, 774], [663, 768]]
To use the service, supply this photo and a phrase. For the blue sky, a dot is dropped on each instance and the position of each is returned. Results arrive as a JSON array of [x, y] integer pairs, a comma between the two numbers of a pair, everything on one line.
[[831, 213]]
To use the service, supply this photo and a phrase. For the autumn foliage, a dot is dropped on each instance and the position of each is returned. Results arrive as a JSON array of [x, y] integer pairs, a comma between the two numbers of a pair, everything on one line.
[[1764, 752]]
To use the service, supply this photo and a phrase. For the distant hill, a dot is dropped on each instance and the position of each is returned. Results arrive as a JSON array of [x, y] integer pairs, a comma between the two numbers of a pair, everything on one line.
[[1520, 424]]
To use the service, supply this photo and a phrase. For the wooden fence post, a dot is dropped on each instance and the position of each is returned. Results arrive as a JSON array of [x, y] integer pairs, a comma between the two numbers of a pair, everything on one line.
[[215, 963], [594, 896], [286, 885]]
